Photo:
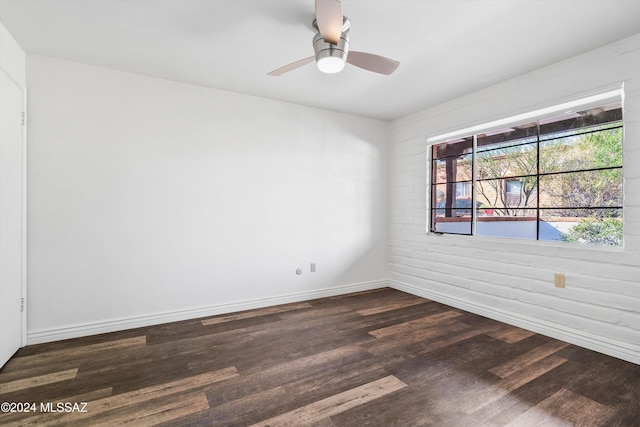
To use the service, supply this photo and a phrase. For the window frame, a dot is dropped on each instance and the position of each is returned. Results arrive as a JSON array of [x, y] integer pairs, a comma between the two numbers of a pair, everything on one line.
[[538, 116]]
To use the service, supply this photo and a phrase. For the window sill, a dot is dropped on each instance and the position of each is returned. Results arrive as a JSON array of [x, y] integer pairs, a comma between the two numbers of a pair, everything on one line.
[[488, 242]]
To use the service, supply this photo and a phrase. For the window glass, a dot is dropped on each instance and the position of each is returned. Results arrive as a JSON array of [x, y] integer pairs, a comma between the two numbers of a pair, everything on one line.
[[558, 178], [452, 174]]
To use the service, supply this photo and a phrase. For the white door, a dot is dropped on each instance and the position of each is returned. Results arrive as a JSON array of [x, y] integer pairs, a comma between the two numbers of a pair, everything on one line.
[[11, 216]]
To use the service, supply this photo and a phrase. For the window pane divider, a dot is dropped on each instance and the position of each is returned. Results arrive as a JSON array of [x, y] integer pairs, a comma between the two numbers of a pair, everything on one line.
[[538, 182], [474, 196]]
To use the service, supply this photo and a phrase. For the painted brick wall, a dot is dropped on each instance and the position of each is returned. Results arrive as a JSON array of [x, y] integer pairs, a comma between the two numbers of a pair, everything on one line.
[[512, 280]]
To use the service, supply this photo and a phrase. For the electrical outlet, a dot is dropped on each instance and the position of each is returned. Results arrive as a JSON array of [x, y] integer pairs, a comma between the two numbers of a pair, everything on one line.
[[313, 267], [558, 280]]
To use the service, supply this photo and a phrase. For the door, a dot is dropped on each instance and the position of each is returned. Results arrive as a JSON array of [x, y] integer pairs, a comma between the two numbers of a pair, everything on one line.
[[11, 216]]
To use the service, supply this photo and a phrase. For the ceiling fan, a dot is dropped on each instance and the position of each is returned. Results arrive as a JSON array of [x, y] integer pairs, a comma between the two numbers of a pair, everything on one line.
[[331, 45]]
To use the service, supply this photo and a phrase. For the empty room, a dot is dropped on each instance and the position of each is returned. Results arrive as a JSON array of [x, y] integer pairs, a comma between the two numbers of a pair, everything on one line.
[[320, 213]]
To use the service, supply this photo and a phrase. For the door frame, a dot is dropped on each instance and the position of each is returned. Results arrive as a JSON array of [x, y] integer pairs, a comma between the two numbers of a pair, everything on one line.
[[13, 66], [23, 291]]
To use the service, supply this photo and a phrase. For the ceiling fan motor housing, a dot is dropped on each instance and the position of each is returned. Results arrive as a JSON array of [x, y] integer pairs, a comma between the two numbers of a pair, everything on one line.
[[324, 49]]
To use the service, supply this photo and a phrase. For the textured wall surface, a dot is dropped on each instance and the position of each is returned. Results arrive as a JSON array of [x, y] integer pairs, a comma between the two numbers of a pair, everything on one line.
[[512, 280]]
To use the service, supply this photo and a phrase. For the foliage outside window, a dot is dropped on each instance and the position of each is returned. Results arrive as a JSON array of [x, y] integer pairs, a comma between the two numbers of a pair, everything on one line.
[[556, 179]]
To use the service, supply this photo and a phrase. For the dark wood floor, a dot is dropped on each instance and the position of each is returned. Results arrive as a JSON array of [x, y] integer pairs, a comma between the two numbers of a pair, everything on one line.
[[378, 358]]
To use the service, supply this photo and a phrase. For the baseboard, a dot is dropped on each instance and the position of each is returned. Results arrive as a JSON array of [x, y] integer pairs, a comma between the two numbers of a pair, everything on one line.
[[621, 350], [75, 331]]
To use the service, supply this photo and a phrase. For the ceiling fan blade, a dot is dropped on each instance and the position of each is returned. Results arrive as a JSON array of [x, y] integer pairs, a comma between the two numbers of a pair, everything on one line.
[[329, 19], [292, 66], [371, 62]]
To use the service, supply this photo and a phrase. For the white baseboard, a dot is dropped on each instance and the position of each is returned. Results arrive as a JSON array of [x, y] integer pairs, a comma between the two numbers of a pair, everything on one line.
[[621, 350], [75, 331]]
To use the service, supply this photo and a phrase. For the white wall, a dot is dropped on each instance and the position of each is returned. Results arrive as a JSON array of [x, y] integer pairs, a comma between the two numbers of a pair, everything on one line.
[[512, 280], [151, 200], [13, 57]]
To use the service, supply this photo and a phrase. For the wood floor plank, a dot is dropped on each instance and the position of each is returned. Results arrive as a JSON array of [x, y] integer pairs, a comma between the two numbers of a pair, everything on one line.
[[38, 381], [318, 314], [311, 319], [357, 300], [390, 318], [154, 412], [413, 324], [246, 407], [437, 343], [283, 374], [511, 383], [511, 334], [52, 357], [34, 371], [393, 305], [564, 408], [124, 400], [239, 412], [255, 313], [514, 365], [91, 395], [418, 336], [317, 387], [325, 422], [195, 329], [319, 411]]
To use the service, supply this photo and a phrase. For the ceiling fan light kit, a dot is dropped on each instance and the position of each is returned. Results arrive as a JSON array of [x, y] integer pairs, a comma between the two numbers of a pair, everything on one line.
[[331, 45], [330, 64]]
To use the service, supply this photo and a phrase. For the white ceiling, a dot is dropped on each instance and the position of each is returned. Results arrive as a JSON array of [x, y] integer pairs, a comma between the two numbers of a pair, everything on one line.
[[446, 48]]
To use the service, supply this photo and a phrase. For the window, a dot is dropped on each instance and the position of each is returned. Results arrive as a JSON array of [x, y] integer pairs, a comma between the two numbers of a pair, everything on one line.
[[513, 187], [556, 178], [514, 192], [462, 190]]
